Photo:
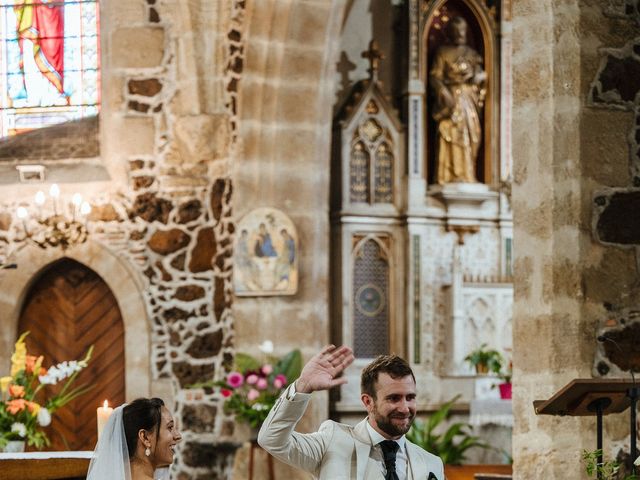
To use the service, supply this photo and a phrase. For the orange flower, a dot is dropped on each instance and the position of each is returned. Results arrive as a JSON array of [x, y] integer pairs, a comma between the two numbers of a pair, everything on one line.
[[33, 407], [31, 362], [16, 391], [15, 406]]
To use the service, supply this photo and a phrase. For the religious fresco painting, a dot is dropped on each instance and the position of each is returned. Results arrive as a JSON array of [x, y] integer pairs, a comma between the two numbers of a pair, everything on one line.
[[266, 254], [49, 63]]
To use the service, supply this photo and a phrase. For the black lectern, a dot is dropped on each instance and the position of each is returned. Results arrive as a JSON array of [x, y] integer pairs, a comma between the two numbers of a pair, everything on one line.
[[594, 396]]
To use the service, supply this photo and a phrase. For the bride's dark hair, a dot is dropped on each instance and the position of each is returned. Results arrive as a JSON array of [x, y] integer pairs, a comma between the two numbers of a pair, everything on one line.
[[142, 413]]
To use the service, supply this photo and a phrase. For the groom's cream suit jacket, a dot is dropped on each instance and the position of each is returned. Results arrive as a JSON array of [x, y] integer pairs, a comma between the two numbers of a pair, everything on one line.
[[336, 451]]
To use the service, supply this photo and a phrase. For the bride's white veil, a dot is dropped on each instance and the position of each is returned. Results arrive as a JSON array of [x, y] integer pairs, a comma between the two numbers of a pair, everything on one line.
[[111, 457]]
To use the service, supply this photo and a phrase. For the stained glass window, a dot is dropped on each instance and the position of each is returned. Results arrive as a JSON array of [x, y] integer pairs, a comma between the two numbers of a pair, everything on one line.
[[371, 301], [383, 181], [49, 63], [367, 173], [359, 173]]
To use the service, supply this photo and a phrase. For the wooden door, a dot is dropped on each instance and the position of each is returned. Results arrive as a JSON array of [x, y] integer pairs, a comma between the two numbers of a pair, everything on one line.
[[67, 309]]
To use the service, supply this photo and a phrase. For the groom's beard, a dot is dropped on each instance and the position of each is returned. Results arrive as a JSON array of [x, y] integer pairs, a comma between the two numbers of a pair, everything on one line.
[[395, 424]]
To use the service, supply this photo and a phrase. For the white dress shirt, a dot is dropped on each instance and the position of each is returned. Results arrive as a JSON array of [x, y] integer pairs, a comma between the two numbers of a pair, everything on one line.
[[401, 455]]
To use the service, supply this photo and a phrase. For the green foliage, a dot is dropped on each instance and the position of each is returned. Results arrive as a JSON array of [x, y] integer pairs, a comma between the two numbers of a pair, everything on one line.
[[481, 357], [290, 365], [451, 445], [606, 470], [245, 363], [252, 388]]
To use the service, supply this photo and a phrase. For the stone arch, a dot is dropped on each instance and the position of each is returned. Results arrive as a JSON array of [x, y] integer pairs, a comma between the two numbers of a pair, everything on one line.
[[125, 283]]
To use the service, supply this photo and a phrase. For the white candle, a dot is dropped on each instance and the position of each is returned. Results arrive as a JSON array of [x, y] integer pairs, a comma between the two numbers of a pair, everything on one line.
[[103, 413]]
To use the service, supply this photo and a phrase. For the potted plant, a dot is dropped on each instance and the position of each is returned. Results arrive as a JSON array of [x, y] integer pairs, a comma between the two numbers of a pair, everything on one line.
[[485, 360], [505, 386], [450, 445]]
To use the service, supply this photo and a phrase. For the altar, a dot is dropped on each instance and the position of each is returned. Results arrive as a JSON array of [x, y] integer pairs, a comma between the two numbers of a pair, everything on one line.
[[44, 465]]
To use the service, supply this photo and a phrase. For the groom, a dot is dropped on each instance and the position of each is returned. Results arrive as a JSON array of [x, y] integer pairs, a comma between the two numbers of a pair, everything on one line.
[[376, 448]]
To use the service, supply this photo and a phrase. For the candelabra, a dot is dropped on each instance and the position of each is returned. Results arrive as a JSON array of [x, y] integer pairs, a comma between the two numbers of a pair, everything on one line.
[[58, 229]]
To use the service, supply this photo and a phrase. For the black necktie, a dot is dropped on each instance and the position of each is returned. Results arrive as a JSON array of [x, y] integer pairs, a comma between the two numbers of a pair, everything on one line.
[[389, 450]]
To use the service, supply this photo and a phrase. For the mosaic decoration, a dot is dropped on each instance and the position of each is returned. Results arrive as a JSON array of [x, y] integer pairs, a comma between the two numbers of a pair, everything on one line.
[[50, 72], [266, 254], [371, 292], [508, 254], [370, 300], [416, 298]]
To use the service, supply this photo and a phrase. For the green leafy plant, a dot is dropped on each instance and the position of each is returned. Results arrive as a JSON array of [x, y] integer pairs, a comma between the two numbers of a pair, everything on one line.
[[505, 375], [485, 359], [452, 444], [608, 470]]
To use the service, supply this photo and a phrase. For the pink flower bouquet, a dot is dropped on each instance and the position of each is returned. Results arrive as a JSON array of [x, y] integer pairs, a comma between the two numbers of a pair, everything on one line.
[[252, 387]]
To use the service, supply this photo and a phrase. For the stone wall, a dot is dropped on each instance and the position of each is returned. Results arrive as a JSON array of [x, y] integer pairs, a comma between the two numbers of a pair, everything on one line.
[[566, 153], [168, 126], [285, 101]]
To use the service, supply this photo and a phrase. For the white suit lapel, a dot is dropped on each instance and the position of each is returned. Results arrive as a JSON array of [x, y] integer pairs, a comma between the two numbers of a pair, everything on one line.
[[417, 469], [363, 448]]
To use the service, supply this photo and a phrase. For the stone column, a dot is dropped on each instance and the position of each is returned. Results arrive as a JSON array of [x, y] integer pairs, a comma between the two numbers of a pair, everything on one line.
[[564, 151], [548, 242]]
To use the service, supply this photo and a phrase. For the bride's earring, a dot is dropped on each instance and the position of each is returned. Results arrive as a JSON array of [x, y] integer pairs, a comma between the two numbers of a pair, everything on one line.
[[147, 451]]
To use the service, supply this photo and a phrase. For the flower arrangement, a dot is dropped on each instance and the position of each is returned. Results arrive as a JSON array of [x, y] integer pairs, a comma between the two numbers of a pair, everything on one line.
[[23, 408], [252, 387]]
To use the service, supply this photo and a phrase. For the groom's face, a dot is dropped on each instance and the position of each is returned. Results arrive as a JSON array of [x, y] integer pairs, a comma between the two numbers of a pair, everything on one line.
[[392, 411]]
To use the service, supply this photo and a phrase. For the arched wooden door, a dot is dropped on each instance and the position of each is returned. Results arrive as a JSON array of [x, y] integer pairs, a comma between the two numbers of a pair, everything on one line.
[[67, 309]]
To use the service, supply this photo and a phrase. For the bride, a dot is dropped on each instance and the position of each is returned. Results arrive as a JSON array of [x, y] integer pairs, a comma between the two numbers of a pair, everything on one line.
[[137, 443]]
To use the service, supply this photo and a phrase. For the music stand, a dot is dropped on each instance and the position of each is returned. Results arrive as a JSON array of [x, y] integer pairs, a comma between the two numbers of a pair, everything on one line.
[[593, 396]]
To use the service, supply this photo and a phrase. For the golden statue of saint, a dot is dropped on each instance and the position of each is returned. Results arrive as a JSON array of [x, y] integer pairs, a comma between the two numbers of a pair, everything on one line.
[[458, 82]]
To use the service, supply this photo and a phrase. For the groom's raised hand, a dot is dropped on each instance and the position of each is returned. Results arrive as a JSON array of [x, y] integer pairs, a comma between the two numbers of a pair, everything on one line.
[[323, 370]]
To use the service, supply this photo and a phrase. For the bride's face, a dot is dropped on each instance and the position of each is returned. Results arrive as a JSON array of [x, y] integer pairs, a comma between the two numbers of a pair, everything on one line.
[[168, 437]]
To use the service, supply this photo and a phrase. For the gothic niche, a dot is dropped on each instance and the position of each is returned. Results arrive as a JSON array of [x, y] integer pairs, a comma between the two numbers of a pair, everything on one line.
[[461, 89], [368, 166], [368, 142]]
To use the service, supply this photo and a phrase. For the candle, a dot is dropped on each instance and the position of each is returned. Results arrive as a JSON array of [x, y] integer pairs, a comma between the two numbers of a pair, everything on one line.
[[103, 413]]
